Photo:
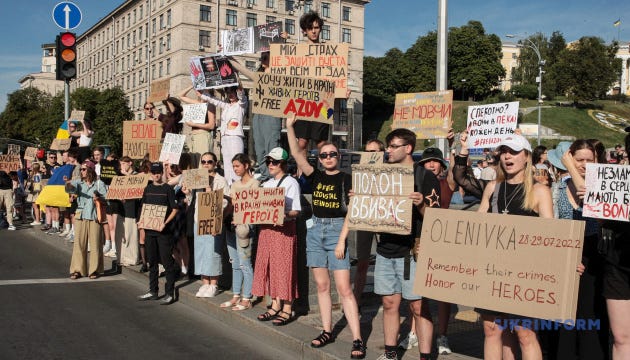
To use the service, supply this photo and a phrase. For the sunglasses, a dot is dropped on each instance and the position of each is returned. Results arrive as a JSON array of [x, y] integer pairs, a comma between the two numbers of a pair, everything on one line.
[[203, 162], [149, 108], [332, 154], [83, 169], [274, 162]]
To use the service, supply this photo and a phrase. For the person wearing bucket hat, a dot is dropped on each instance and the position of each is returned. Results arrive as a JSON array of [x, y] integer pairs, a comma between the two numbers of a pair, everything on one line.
[[174, 114], [554, 156]]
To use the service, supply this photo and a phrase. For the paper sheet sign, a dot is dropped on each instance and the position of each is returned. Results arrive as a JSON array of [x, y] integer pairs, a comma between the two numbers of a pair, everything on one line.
[[519, 265], [210, 212], [429, 115], [258, 205], [195, 113], [141, 138], [152, 217], [172, 148], [607, 192], [127, 187], [381, 198], [489, 124]]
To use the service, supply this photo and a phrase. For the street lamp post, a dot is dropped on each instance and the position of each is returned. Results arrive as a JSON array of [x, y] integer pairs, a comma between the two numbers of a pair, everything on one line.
[[541, 63]]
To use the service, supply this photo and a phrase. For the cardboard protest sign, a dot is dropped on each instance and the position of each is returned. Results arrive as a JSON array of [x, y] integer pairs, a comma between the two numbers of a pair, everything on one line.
[[13, 149], [195, 113], [9, 163], [127, 187], [376, 157], [212, 72], [308, 98], [237, 41], [78, 115], [172, 148], [30, 153], [152, 217], [489, 124], [267, 34], [196, 178], [210, 212], [60, 144], [141, 138], [258, 205], [159, 90], [381, 198], [322, 61], [607, 192], [428, 114], [500, 262]]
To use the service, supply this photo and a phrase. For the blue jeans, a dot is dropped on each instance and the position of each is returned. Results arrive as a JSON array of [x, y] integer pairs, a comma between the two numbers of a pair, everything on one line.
[[266, 130], [321, 241], [242, 271]]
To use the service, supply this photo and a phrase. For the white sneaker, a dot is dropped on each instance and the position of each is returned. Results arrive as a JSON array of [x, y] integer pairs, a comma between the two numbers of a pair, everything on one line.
[[64, 233], [442, 344], [107, 247], [35, 223], [11, 227], [409, 342], [211, 291], [202, 291], [110, 253], [70, 235]]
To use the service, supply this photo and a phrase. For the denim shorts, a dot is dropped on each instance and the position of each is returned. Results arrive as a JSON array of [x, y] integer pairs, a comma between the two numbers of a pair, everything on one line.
[[389, 277], [321, 240]]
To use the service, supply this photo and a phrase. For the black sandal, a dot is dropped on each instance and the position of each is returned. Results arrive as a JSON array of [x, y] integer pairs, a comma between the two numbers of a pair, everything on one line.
[[324, 339], [267, 315], [280, 320], [358, 347]]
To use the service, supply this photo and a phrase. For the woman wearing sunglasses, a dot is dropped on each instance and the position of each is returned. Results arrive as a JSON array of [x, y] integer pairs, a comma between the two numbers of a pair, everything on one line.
[[330, 197]]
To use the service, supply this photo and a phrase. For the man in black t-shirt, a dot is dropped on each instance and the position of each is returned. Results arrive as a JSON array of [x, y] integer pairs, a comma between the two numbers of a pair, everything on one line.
[[395, 264], [159, 244]]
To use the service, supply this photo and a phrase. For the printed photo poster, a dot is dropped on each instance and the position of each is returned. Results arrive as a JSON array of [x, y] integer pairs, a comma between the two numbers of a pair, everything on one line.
[[381, 198], [501, 262], [109, 170], [9, 163], [279, 95], [210, 212], [195, 113], [159, 90], [258, 205], [13, 149], [267, 34], [212, 72], [607, 192], [321, 61], [238, 41], [141, 138], [152, 217], [429, 115], [172, 148], [489, 124]]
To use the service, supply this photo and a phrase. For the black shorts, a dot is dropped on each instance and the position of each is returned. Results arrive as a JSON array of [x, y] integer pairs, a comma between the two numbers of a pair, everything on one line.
[[616, 283], [311, 130], [115, 207]]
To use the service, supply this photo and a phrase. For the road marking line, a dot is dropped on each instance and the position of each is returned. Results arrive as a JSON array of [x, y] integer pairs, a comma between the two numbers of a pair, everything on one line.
[[60, 281]]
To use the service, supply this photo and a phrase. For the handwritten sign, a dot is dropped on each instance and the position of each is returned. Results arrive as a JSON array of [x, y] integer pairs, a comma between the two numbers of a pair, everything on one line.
[[381, 198], [258, 205], [9, 163], [159, 90], [375, 157], [141, 138], [152, 217], [210, 212], [500, 262], [78, 115], [322, 61], [489, 124], [127, 187], [607, 192], [195, 113], [212, 72], [427, 114], [13, 149], [60, 144], [196, 178], [172, 148], [30, 153], [307, 98]]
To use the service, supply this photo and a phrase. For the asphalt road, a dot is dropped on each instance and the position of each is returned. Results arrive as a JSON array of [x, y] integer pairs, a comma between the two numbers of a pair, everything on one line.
[[45, 315]]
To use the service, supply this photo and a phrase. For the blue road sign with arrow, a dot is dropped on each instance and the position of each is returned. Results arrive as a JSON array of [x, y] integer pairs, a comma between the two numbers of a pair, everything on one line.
[[66, 15]]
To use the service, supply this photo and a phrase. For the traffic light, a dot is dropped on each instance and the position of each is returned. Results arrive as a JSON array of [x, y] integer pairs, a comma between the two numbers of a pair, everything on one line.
[[66, 56]]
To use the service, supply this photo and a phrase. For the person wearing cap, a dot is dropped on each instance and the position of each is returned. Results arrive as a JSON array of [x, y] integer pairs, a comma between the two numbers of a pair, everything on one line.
[[514, 192], [275, 271], [159, 244], [88, 190], [174, 114], [561, 175], [325, 249]]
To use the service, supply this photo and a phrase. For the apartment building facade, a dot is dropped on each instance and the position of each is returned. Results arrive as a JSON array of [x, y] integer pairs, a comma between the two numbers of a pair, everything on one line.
[[45, 79]]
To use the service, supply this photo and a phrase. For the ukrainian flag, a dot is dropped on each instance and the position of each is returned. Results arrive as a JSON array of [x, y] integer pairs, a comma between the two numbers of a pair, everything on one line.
[[617, 23], [62, 132], [54, 193]]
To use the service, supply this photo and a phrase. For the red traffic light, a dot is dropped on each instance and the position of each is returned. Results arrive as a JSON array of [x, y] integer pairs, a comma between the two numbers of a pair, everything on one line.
[[66, 56], [68, 39]]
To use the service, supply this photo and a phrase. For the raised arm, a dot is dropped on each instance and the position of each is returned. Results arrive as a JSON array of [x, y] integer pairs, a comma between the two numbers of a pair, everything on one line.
[[298, 155], [185, 99], [243, 69]]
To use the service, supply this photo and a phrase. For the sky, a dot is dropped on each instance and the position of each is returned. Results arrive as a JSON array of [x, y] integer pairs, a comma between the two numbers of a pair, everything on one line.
[[27, 24]]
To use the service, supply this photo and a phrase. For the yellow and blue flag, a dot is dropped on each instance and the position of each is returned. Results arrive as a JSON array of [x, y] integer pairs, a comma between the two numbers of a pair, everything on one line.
[[62, 132], [617, 23], [54, 193]]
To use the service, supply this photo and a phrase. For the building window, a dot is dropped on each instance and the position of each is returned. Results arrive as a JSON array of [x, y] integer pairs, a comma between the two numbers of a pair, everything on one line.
[[168, 17], [346, 13], [205, 13], [153, 26], [141, 11], [271, 4], [135, 16], [308, 6], [168, 41], [289, 5], [128, 20], [128, 41], [289, 25], [162, 43], [230, 17], [161, 72], [153, 72], [346, 35], [140, 33], [326, 10], [251, 3], [161, 21], [153, 47], [168, 66], [251, 20], [270, 19], [204, 38], [325, 32]]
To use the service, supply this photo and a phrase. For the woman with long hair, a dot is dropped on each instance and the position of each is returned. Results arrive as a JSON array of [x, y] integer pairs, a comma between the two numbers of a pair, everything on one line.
[[174, 114], [34, 184]]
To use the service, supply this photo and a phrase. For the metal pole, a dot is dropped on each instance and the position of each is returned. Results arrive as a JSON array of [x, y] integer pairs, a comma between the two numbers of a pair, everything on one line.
[[442, 60], [539, 93], [66, 105]]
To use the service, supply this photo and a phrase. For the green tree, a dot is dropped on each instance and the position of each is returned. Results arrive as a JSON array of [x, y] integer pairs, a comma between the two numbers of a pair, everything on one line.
[[381, 82], [111, 111]]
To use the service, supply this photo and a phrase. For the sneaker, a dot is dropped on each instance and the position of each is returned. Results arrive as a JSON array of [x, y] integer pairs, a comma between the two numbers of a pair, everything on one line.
[[148, 296], [70, 235], [64, 233], [211, 291], [442, 344], [110, 253], [167, 300], [35, 223], [71, 239], [11, 227], [52, 231], [107, 247], [46, 227], [409, 342], [202, 291]]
